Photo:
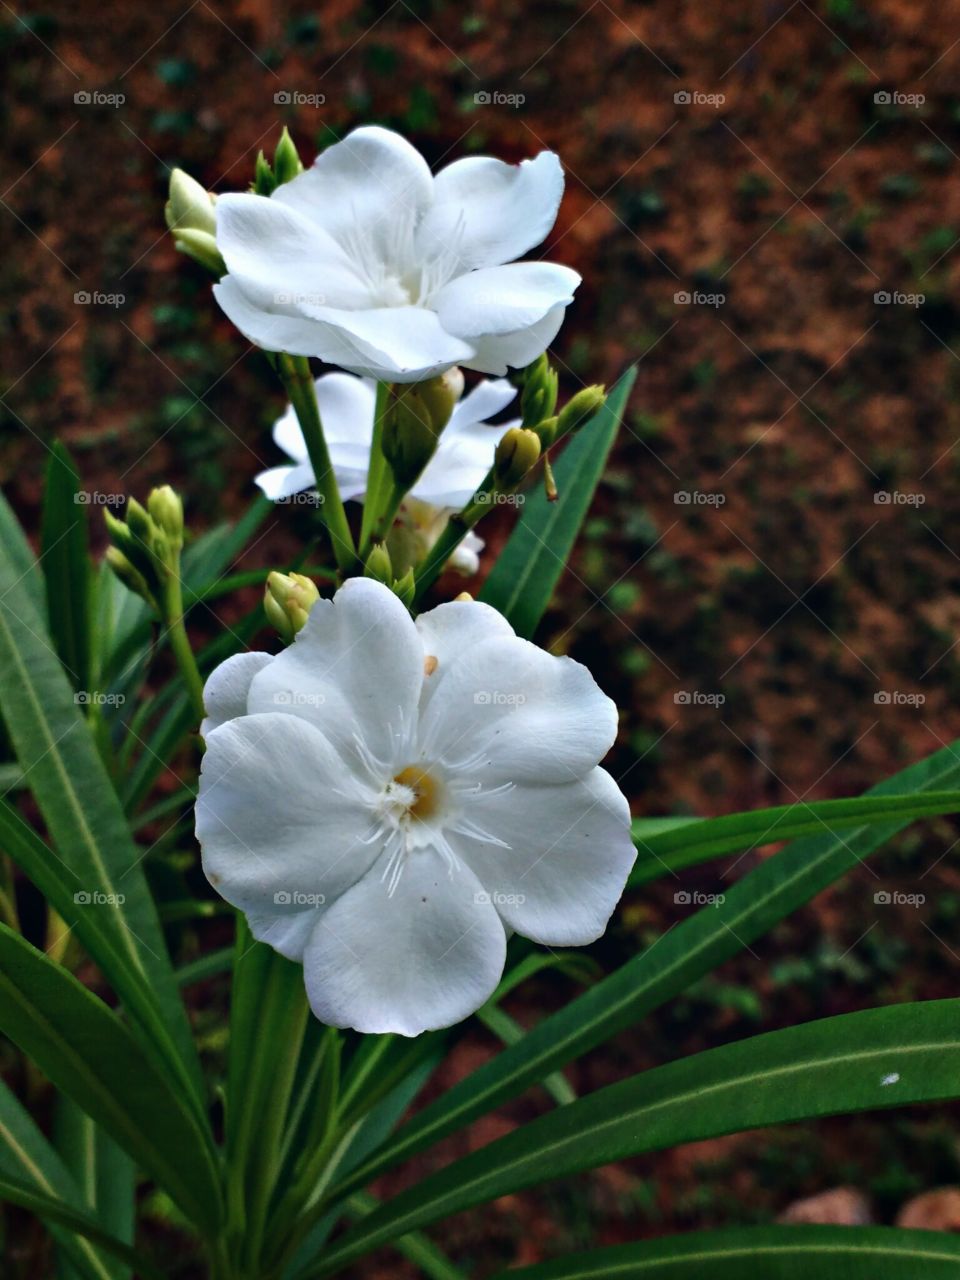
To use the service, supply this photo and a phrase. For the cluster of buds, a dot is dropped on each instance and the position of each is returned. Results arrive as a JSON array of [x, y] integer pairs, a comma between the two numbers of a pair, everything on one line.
[[379, 565], [286, 165], [287, 602], [417, 415], [190, 216], [145, 547]]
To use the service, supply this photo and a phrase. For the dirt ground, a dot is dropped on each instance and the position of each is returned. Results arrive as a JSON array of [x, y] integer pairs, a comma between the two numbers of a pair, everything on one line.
[[763, 200]]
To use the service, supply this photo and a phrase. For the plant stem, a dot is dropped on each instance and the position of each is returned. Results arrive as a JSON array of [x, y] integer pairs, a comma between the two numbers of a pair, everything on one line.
[[454, 532], [298, 381], [180, 642], [376, 471]]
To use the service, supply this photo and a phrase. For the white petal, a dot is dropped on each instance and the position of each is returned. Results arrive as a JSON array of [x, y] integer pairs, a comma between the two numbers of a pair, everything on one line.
[[363, 186], [449, 630], [225, 693], [288, 436], [282, 259], [569, 857], [466, 559], [514, 350], [482, 402], [279, 814], [398, 344], [299, 335], [287, 934], [501, 300], [282, 482], [347, 406], [356, 668], [424, 958], [491, 212], [539, 717]]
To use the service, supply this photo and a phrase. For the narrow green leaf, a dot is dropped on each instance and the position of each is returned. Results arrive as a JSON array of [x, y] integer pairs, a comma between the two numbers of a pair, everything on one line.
[[689, 950], [28, 1161], [690, 841], [769, 1253], [75, 1223], [509, 1031], [860, 1061], [103, 1171], [65, 562], [86, 1051], [523, 579], [96, 854]]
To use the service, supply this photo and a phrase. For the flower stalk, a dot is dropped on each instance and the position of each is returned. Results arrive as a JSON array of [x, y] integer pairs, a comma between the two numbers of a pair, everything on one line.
[[298, 381]]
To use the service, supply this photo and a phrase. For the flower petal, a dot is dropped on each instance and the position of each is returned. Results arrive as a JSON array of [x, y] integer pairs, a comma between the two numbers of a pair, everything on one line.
[[482, 402], [282, 482], [422, 958], [449, 630], [225, 693], [569, 857], [542, 718], [300, 335], [287, 934], [514, 350], [355, 670], [347, 405], [398, 344], [280, 815], [282, 259], [362, 187], [492, 212], [501, 300]]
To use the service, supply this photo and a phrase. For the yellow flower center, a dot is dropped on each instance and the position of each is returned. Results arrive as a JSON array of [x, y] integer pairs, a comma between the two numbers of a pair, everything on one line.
[[425, 790]]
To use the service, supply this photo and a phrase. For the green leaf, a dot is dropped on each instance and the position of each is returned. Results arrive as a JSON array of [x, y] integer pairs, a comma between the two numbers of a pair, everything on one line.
[[96, 854], [66, 567], [689, 950], [103, 1171], [74, 1223], [860, 1061], [769, 1253], [690, 841], [29, 1162], [523, 579], [509, 1031], [86, 1051]]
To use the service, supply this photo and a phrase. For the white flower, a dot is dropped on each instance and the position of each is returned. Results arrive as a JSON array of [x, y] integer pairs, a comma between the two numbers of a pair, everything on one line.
[[369, 262], [386, 800], [463, 457]]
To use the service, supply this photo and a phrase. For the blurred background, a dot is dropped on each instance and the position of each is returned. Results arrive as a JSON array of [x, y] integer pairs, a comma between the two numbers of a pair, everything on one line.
[[764, 201]]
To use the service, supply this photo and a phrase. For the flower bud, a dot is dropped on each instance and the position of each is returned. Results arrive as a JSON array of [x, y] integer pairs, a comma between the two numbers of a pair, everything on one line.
[[129, 575], [580, 408], [189, 214], [517, 452], [440, 395], [138, 521], [538, 400], [287, 602], [379, 565], [406, 588], [286, 161], [166, 509], [409, 436], [264, 183], [546, 432]]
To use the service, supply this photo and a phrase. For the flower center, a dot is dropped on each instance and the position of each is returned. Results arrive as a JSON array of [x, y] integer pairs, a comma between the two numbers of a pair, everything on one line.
[[424, 789]]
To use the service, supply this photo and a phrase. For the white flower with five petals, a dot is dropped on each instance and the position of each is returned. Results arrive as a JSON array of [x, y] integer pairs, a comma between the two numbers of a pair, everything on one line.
[[387, 800], [464, 455], [368, 261]]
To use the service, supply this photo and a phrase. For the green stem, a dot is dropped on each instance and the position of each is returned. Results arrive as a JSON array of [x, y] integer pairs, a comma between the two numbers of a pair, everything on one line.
[[299, 384], [376, 471], [454, 532], [180, 642]]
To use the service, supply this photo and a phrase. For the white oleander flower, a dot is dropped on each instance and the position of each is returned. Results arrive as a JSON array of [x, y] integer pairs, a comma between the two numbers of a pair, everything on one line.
[[386, 800], [368, 261], [463, 457]]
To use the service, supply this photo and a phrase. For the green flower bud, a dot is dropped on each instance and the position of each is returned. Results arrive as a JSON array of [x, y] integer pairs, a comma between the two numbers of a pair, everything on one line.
[[287, 602], [580, 408], [286, 162], [546, 432], [440, 396], [516, 453], [166, 509], [409, 437], [406, 588], [538, 400], [378, 565], [130, 576], [190, 207], [189, 214], [139, 522], [264, 182]]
